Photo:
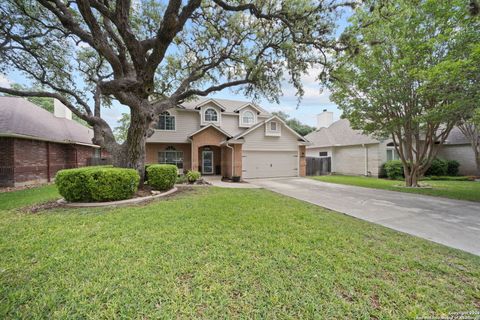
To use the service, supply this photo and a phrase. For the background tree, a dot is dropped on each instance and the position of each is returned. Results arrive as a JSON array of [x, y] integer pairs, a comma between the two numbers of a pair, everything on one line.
[[295, 124], [121, 131], [389, 84], [151, 55], [470, 127]]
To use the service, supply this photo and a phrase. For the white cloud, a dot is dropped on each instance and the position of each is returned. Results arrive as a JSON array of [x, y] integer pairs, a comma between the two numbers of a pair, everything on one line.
[[4, 82]]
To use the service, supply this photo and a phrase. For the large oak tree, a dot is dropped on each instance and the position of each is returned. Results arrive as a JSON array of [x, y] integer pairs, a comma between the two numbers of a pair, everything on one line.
[[151, 55]]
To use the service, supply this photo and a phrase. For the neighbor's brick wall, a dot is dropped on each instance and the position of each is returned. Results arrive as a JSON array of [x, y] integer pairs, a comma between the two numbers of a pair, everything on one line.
[[25, 161], [461, 153], [30, 161], [6, 162]]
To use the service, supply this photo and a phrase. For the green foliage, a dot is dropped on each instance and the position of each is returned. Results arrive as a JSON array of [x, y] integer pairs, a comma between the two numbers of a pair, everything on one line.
[[92, 184], [162, 176], [394, 169], [121, 130], [193, 176], [452, 167], [411, 71], [295, 124], [181, 179], [439, 167]]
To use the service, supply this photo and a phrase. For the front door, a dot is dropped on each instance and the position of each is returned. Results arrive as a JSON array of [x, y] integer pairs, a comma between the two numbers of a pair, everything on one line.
[[207, 162]]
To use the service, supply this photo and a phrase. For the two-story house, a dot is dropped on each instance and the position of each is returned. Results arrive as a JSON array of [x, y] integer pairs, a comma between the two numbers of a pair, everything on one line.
[[228, 138]]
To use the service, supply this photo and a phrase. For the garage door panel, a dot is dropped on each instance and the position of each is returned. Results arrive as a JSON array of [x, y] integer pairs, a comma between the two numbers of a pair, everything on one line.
[[269, 164]]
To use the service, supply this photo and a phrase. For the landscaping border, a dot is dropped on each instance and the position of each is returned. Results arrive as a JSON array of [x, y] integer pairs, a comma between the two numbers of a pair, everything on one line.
[[115, 203]]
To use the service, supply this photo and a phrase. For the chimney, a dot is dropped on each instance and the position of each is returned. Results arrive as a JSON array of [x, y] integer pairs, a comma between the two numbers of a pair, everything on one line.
[[324, 119], [60, 110]]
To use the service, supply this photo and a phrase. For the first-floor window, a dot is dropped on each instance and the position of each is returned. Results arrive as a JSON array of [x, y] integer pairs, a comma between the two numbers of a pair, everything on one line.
[[392, 155], [171, 156]]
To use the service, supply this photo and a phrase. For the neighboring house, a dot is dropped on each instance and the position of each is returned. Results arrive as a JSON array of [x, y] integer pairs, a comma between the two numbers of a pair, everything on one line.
[[228, 138], [355, 153], [35, 144]]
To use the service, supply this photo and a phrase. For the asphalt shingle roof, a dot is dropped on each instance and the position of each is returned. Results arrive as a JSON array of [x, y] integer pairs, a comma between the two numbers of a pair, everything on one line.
[[19, 116]]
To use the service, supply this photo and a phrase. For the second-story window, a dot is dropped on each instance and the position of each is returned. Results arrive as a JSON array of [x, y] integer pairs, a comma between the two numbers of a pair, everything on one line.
[[248, 117], [211, 115], [273, 126], [166, 121]]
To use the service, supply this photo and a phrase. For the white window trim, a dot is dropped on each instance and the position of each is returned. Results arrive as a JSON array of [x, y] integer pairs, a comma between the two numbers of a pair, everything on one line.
[[174, 123], [394, 152], [247, 125], [274, 133], [174, 151], [205, 122]]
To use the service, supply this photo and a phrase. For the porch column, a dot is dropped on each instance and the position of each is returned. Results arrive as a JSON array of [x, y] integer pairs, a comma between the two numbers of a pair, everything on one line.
[[194, 154]]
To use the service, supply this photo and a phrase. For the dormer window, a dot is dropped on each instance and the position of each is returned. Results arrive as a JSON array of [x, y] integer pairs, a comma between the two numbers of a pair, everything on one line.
[[211, 115], [166, 122], [273, 126], [248, 117]]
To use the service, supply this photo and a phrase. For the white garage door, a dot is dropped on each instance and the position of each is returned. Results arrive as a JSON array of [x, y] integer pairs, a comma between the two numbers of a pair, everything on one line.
[[269, 164]]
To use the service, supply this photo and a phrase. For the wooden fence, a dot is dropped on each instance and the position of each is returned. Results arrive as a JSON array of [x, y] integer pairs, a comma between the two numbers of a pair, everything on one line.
[[318, 166]]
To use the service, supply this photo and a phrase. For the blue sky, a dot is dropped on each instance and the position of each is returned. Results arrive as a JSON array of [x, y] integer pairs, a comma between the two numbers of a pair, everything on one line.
[[313, 102]]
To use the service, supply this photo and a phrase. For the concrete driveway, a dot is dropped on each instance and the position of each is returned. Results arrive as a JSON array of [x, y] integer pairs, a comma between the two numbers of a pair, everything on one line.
[[453, 223]]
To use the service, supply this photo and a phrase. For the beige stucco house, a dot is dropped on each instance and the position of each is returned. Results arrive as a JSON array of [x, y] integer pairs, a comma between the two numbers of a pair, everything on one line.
[[227, 138], [354, 153]]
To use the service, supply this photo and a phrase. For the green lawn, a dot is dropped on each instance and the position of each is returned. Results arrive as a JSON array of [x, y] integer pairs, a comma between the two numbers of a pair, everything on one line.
[[221, 253], [462, 190]]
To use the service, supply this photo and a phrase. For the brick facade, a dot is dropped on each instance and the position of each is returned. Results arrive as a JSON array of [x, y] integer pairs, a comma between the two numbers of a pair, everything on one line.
[[25, 161]]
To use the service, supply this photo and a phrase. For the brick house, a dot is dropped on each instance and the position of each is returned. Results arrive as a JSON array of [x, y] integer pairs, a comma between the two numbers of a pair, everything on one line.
[[35, 144], [228, 138]]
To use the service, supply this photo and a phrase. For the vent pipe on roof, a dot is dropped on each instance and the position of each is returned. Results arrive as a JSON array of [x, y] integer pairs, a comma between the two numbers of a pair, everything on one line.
[[324, 119], [60, 110]]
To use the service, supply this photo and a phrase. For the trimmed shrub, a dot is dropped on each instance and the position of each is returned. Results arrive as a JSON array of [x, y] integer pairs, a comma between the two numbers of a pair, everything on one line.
[[193, 176], [452, 167], [162, 176], [382, 173], [438, 167], [100, 183], [394, 169]]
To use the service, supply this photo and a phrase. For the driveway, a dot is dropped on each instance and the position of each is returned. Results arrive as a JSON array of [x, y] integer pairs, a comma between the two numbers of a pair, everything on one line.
[[453, 223]]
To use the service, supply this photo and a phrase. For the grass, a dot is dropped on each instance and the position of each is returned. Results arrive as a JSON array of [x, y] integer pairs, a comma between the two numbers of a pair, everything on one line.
[[17, 199], [222, 253], [462, 190]]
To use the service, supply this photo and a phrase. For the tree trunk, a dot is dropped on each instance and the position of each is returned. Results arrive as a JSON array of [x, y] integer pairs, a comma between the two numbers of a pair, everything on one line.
[[411, 180], [131, 154]]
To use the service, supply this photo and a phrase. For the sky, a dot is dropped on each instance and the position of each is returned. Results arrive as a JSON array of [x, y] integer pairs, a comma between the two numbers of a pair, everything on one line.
[[314, 101]]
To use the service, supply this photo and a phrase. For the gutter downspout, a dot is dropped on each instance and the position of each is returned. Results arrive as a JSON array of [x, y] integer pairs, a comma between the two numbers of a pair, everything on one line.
[[233, 157], [366, 159]]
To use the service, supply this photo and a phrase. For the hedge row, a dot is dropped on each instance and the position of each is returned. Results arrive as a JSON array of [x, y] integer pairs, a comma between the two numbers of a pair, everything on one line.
[[96, 184], [439, 167]]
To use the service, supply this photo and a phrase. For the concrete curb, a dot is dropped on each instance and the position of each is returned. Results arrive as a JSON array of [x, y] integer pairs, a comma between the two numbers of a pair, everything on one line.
[[114, 203]]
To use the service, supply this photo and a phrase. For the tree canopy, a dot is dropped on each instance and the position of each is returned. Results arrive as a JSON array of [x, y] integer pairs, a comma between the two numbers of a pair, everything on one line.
[[295, 124], [151, 55], [409, 75]]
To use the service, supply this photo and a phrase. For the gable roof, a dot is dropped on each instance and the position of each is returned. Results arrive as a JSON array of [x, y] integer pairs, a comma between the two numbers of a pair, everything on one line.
[[210, 126], [339, 133], [228, 105], [456, 137], [23, 119], [259, 124]]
